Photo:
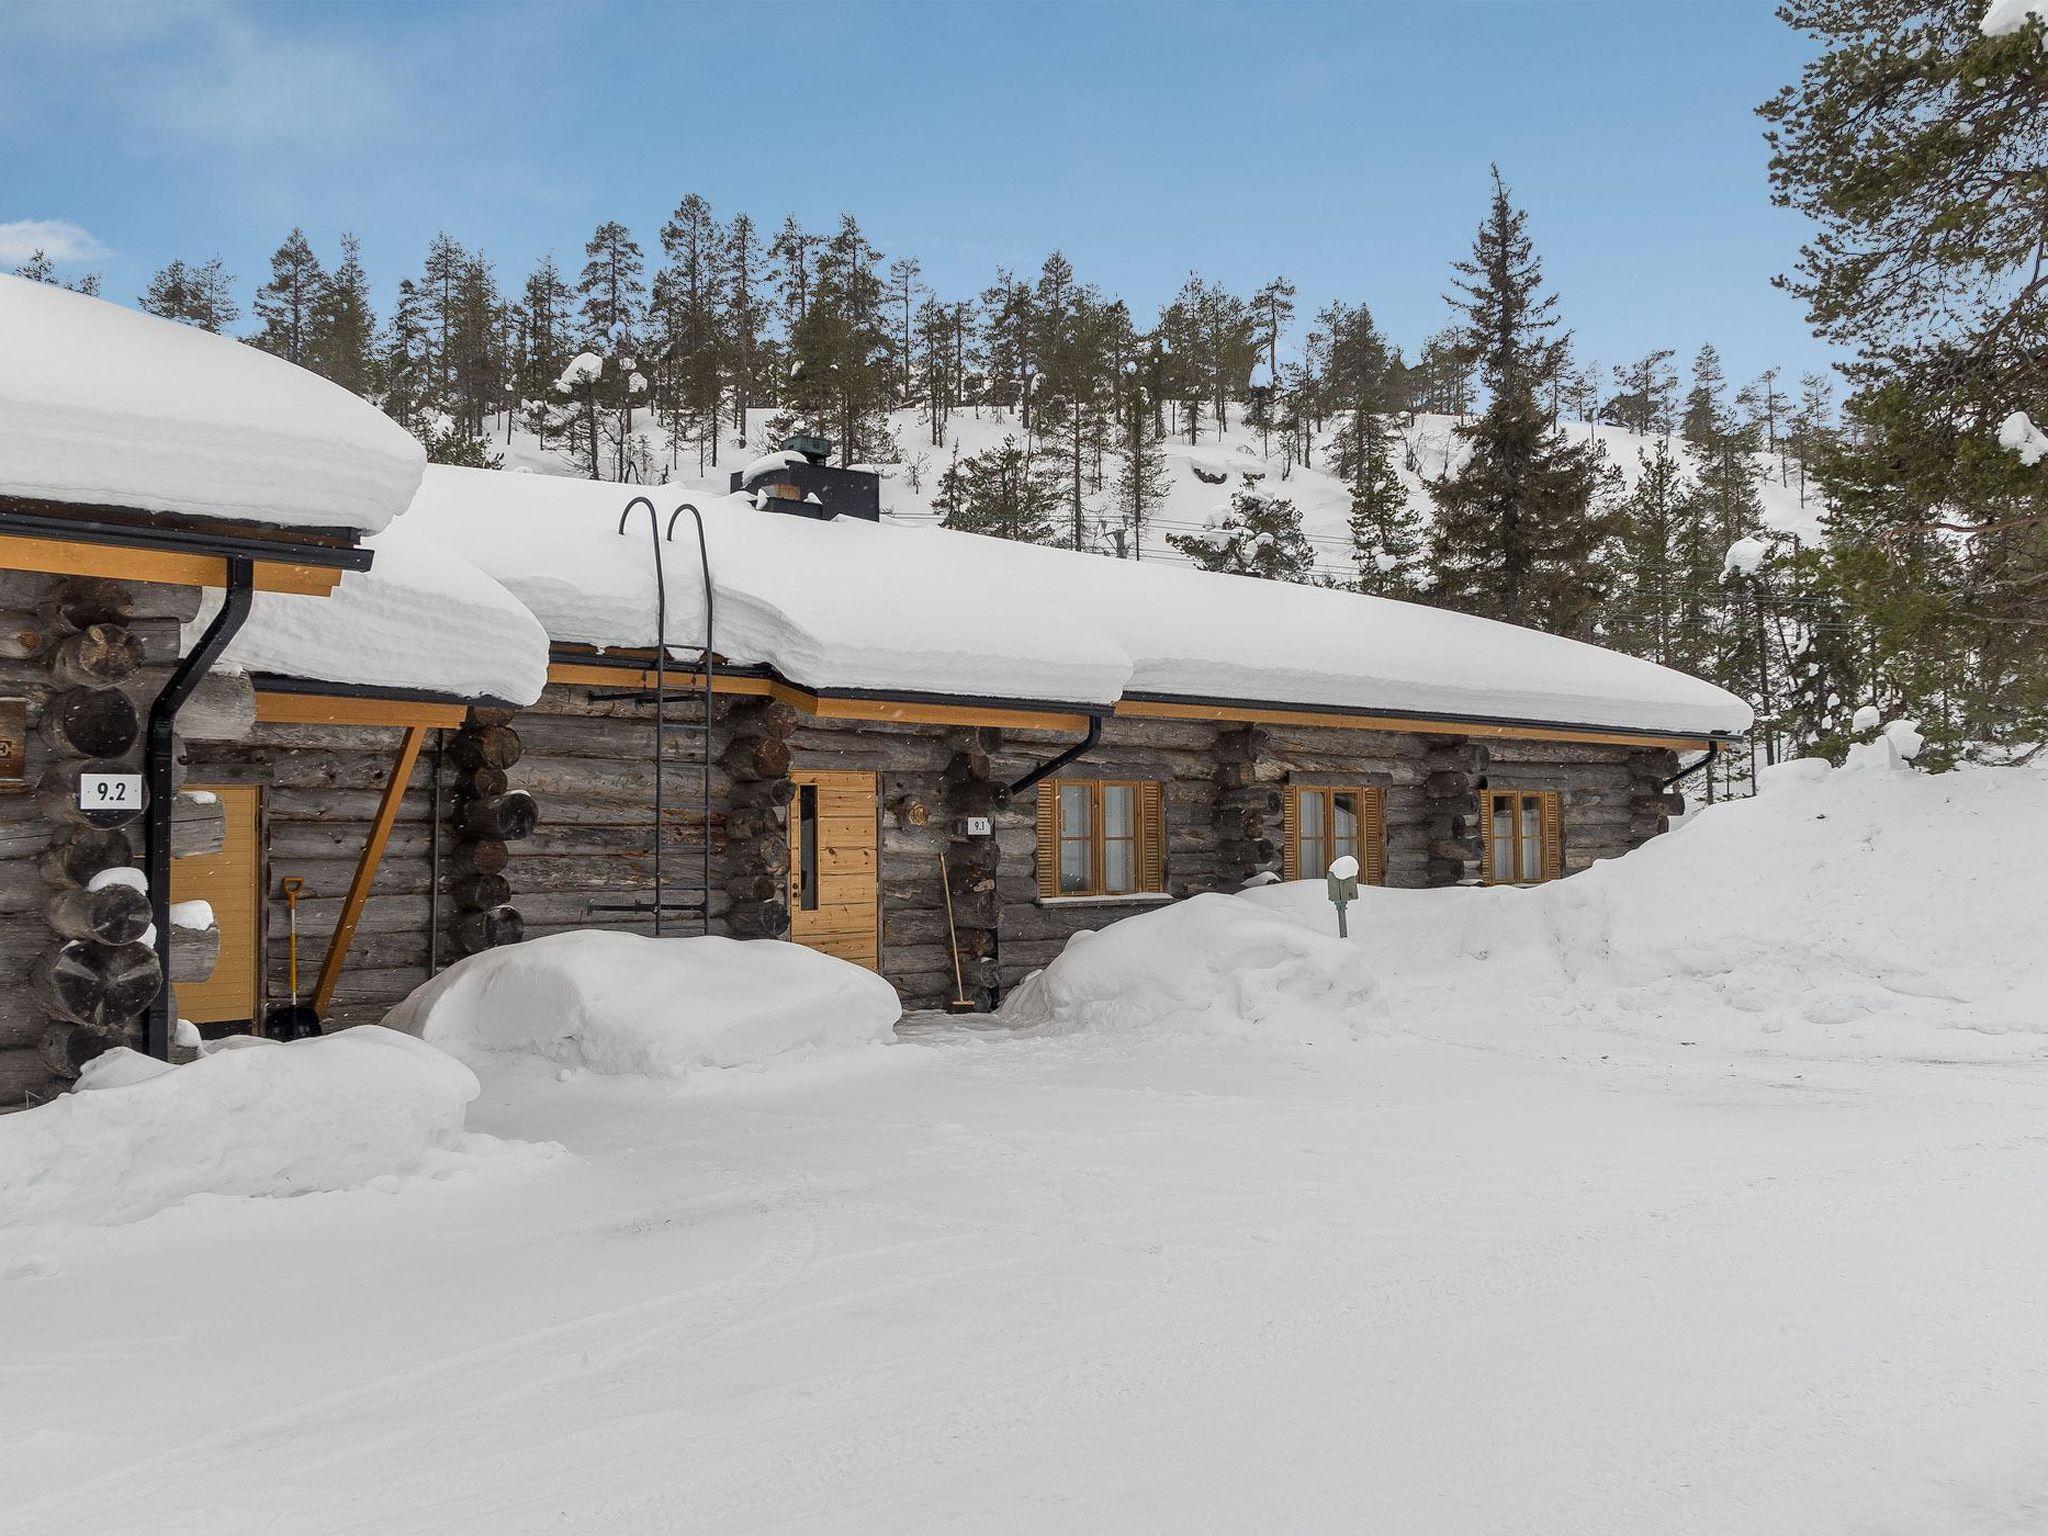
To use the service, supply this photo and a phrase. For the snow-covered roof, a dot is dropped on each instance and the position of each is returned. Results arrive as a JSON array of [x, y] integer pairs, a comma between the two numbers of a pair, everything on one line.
[[848, 604], [422, 618], [103, 406]]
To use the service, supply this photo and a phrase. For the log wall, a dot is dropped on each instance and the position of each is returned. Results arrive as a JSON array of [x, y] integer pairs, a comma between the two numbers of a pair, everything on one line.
[[1612, 801], [89, 658]]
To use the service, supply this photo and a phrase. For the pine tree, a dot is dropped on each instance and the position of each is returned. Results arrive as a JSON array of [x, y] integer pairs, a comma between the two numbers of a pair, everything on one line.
[[1387, 541], [1644, 395], [200, 296], [1517, 535], [612, 292], [285, 304], [743, 315], [688, 298], [790, 251], [547, 311], [1258, 535], [341, 342], [840, 374], [405, 368], [1667, 564], [40, 269]]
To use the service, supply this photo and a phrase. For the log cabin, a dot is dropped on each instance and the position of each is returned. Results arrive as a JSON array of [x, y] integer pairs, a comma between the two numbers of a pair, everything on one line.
[[416, 712]]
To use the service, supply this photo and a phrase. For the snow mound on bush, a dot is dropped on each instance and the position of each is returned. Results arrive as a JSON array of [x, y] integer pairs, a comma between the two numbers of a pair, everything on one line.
[[1864, 911], [332, 1112], [626, 1004], [1220, 965]]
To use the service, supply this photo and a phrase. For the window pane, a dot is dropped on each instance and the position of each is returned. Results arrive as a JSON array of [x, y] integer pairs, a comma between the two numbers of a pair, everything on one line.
[[1119, 865], [1074, 811], [1119, 810], [1308, 832], [1532, 825], [1344, 827], [1503, 842], [1074, 871]]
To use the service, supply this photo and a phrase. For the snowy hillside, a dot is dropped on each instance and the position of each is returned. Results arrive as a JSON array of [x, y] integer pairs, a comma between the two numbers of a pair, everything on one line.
[[1201, 476]]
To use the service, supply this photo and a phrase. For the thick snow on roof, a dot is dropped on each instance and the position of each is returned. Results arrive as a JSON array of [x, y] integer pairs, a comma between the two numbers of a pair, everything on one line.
[[103, 406], [850, 604], [420, 618]]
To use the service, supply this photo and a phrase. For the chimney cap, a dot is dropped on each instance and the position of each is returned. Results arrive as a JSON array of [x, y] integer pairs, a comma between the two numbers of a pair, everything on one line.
[[816, 449]]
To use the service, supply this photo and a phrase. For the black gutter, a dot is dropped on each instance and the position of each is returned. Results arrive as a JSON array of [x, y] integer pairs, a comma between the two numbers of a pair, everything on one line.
[[158, 767], [1713, 751], [1051, 766], [185, 541]]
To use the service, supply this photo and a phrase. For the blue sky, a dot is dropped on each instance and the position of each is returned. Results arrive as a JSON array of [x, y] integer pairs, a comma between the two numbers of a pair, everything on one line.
[[1344, 145]]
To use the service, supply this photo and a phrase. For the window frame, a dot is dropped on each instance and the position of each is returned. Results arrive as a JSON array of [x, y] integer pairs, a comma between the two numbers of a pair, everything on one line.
[[1546, 806], [1371, 837], [1146, 839]]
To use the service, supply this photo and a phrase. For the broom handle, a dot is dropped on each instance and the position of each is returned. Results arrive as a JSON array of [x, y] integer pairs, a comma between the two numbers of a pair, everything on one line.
[[952, 935]]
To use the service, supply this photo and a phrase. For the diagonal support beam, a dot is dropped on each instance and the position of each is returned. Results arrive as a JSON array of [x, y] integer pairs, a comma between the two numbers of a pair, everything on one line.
[[366, 868]]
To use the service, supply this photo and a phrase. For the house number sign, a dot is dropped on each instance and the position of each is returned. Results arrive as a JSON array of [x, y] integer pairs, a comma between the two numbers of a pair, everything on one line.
[[109, 791], [13, 745]]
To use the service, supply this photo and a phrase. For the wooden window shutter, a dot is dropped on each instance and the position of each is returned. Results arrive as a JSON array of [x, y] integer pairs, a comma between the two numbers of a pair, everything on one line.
[[1372, 834], [1048, 838], [1553, 835], [1152, 837], [1486, 838], [1290, 834]]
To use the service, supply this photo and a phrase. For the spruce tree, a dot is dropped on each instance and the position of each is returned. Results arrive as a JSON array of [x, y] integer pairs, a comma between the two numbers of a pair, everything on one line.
[[342, 342], [1141, 483], [1006, 491], [286, 303], [1517, 535], [1258, 535], [612, 291], [1916, 142]]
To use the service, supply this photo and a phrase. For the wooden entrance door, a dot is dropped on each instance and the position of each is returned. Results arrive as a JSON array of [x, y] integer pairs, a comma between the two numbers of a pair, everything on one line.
[[834, 854], [232, 882]]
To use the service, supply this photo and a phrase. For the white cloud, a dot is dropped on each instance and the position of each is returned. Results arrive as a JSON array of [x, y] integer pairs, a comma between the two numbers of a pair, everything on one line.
[[59, 239]]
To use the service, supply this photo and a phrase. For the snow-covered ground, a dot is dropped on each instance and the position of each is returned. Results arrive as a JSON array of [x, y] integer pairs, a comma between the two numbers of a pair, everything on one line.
[[1580, 1216], [1200, 477]]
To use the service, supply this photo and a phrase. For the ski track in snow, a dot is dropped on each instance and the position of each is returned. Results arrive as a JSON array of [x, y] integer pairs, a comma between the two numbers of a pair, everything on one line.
[[1524, 1282]]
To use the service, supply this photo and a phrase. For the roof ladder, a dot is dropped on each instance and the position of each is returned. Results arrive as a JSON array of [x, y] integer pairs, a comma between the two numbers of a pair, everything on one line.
[[707, 666]]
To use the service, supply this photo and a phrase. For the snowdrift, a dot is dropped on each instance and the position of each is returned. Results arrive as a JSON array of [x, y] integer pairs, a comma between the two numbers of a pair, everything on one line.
[[1864, 911], [626, 1004], [1218, 965], [327, 1113]]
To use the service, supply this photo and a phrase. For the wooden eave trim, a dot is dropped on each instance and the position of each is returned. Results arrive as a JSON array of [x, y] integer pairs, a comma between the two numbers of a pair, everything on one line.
[[1156, 709], [285, 708], [902, 711], [127, 562]]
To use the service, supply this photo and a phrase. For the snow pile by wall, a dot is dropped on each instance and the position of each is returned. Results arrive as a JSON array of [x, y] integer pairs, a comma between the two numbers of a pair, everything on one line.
[[1866, 911], [327, 1113], [626, 1004], [1218, 965], [108, 407]]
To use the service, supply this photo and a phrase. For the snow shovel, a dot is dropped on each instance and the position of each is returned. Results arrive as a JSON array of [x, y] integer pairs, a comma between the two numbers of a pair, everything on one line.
[[959, 1002], [293, 1022]]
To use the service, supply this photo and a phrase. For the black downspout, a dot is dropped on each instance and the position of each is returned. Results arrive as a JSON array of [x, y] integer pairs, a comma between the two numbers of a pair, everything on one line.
[[1713, 751], [1047, 769], [158, 769]]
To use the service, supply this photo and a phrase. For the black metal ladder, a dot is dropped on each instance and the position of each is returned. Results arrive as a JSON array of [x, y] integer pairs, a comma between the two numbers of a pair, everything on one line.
[[707, 666]]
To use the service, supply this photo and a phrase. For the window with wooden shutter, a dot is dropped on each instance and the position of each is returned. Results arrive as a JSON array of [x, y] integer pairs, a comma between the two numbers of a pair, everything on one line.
[[1522, 835], [1325, 823], [1101, 837]]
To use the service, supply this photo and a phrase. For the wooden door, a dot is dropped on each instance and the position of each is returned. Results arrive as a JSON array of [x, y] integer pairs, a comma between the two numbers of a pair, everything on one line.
[[834, 856], [232, 881]]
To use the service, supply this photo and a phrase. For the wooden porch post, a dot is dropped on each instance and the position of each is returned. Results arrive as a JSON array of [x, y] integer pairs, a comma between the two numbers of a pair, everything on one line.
[[366, 867]]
